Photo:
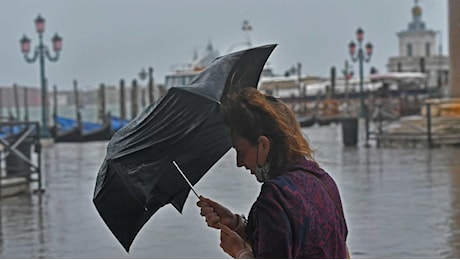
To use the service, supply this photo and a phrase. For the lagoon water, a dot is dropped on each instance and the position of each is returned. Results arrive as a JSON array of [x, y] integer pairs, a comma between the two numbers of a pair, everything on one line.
[[399, 203]]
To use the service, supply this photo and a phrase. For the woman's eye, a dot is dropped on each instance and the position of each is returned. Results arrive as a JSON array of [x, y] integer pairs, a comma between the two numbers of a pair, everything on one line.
[[239, 154]]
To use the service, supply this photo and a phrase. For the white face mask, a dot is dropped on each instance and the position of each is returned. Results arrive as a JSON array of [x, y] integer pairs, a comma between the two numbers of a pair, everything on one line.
[[262, 171]]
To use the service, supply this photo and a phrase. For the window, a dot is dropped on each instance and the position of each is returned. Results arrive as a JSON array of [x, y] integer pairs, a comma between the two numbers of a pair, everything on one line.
[[427, 49], [409, 49]]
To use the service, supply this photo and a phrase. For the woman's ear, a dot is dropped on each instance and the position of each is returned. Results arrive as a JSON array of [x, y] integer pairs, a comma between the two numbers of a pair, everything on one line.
[[264, 147]]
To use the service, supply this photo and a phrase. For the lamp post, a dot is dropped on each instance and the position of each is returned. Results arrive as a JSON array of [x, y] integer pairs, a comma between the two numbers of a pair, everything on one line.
[[41, 52], [143, 75], [347, 74], [360, 57], [246, 27]]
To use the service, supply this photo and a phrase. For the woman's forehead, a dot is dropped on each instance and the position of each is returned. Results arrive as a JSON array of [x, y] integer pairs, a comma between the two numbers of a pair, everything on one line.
[[239, 142]]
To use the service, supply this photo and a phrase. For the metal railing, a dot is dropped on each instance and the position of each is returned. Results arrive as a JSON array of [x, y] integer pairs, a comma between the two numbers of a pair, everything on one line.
[[427, 128], [18, 140]]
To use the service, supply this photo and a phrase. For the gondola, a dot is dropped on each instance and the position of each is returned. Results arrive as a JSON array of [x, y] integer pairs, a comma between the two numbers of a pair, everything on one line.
[[70, 130], [327, 120], [7, 131], [95, 132], [307, 120], [117, 123], [65, 130], [11, 131]]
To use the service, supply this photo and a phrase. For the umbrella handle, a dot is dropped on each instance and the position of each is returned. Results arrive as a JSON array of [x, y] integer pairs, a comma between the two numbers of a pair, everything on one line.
[[185, 178]]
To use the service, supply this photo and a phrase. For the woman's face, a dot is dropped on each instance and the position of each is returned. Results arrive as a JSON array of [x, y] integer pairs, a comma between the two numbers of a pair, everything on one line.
[[246, 154]]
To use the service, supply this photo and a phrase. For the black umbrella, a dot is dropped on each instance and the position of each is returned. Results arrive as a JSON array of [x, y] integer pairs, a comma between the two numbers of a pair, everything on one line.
[[138, 177]]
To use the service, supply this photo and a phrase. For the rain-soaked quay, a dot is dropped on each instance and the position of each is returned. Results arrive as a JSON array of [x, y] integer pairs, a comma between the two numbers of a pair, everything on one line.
[[399, 203]]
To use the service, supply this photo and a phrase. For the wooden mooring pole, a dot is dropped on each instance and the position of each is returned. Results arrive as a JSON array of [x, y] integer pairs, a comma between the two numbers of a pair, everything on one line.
[[16, 101], [428, 125], [54, 103], [134, 104], [122, 100], [151, 95], [26, 105], [101, 98]]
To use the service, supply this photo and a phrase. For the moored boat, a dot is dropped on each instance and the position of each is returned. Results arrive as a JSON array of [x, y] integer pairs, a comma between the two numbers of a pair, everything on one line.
[[306, 120], [71, 130], [117, 123]]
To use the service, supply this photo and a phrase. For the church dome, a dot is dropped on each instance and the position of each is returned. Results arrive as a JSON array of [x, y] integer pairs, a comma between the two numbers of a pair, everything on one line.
[[416, 11], [417, 24]]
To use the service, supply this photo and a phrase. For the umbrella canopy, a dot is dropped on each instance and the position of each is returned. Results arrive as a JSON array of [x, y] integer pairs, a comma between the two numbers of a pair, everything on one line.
[[137, 177]]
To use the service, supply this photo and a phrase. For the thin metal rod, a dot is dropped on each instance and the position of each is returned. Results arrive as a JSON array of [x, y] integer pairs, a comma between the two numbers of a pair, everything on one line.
[[185, 178]]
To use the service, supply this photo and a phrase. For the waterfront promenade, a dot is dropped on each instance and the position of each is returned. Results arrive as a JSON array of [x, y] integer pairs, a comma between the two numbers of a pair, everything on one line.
[[399, 203]]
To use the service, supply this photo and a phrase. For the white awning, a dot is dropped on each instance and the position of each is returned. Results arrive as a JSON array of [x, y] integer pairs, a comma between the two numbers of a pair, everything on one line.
[[398, 76]]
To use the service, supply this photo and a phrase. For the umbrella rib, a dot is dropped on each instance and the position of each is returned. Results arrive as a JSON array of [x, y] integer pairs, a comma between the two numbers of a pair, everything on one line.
[[185, 178]]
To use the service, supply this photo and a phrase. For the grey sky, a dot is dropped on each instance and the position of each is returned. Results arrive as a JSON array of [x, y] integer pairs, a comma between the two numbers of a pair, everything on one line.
[[107, 40]]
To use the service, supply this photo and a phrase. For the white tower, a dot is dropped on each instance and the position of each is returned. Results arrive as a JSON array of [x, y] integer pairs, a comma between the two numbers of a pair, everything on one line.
[[418, 52]]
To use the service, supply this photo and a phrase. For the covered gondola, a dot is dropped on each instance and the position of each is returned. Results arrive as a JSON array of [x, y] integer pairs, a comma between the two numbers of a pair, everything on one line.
[[117, 123], [73, 130], [95, 132]]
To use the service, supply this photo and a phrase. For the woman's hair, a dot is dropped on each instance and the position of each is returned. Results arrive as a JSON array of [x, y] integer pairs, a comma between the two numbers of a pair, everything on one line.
[[250, 114]]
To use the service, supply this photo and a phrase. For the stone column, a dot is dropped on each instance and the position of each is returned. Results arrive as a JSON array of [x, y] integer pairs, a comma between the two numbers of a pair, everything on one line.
[[454, 47]]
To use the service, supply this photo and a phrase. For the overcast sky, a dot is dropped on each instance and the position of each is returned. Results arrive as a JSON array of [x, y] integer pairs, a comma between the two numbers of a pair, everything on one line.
[[108, 40]]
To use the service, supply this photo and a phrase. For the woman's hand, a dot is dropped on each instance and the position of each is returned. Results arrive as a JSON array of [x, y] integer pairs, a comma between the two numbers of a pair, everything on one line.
[[231, 242], [216, 214]]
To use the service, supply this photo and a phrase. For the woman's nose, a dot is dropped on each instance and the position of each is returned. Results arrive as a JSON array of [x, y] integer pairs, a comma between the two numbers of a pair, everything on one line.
[[238, 162]]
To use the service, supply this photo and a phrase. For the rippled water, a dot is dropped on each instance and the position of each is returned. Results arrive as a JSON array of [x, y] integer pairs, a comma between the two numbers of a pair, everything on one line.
[[399, 203]]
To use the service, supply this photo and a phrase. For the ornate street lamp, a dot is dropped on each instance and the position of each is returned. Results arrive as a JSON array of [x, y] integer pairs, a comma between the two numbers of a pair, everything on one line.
[[40, 52], [246, 27], [360, 56], [142, 74]]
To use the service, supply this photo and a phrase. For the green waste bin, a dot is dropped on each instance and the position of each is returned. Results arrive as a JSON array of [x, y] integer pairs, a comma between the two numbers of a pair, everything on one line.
[[349, 131]]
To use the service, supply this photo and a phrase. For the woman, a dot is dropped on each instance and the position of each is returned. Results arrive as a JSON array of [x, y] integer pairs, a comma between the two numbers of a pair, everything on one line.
[[298, 213]]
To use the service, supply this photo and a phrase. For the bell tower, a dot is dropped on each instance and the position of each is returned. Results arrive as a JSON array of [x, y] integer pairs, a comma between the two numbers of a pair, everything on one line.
[[418, 51], [417, 40]]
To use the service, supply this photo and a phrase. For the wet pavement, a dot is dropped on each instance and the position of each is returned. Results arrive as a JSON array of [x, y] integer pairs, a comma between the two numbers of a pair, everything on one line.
[[399, 203]]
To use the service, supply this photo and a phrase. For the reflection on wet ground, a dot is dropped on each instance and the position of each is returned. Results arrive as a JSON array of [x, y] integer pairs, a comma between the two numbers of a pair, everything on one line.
[[399, 203]]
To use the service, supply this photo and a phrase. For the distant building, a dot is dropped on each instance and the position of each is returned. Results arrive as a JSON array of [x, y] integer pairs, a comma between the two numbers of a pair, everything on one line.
[[63, 98], [418, 53], [25, 95], [186, 72]]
